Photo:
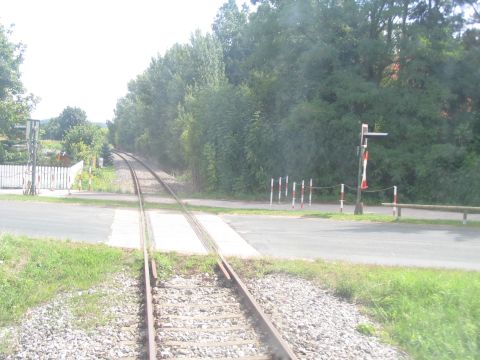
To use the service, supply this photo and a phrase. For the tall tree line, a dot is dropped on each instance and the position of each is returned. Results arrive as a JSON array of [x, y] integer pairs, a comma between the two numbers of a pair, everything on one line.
[[284, 89]]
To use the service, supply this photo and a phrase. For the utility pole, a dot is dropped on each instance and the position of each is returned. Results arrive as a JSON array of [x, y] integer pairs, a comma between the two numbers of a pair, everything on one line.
[[362, 165], [33, 128]]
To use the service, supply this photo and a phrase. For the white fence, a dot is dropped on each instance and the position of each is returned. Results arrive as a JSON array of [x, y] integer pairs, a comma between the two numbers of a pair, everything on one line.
[[48, 177]]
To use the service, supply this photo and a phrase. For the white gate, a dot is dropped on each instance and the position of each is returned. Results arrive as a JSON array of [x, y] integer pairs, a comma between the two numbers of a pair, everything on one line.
[[48, 177]]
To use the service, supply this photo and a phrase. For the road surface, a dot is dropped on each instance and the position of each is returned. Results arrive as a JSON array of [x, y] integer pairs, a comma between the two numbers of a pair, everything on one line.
[[364, 242], [291, 237]]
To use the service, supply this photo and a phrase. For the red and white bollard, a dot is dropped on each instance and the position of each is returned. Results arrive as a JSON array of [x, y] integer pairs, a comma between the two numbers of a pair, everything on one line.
[[286, 187], [279, 189], [271, 193], [395, 200], [302, 193], [310, 195], [342, 196], [293, 194]]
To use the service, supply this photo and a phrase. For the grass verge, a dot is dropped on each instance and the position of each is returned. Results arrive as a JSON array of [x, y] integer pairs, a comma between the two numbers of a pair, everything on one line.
[[71, 200], [431, 314], [173, 263], [32, 271]]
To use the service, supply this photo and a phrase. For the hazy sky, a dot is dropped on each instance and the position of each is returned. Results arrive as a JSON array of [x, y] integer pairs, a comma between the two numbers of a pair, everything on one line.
[[83, 53]]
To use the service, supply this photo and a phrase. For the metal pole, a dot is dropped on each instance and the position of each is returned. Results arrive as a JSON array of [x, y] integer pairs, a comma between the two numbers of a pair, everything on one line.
[[293, 195], [310, 196], [302, 193], [33, 189], [279, 189], [286, 187], [342, 196], [395, 201], [358, 203], [271, 192]]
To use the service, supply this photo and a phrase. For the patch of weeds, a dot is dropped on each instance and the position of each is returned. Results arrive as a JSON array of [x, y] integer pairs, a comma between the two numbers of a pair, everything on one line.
[[366, 329], [345, 290], [89, 310], [170, 263], [7, 342]]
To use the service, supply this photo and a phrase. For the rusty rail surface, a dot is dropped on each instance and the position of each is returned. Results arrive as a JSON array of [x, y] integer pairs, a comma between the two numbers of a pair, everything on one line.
[[144, 244], [281, 350]]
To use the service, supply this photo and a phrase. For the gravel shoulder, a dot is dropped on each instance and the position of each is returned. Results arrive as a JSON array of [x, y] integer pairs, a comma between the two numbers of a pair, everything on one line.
[[56, 330], [316, 324]]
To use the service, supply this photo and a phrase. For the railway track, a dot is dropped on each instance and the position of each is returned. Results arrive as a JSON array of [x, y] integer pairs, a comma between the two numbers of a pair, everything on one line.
[[202, 316]]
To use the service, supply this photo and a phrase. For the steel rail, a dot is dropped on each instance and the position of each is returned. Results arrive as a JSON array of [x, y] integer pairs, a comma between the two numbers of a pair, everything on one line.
[[144, 244], [280, 348]]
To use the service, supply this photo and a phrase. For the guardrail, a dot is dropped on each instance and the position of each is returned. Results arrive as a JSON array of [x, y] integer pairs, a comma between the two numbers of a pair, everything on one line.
[[459, 209]]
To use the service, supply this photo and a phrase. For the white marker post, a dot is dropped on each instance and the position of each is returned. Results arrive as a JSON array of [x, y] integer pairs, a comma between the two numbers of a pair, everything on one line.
[[89, 178], [342, 196], [286, 187], [293, 194], [310, 196], [302, 193], [395, 200], [271, 193], [279, 189]]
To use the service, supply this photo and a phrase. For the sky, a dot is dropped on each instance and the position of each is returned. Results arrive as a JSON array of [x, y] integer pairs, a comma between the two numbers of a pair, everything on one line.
[[83, 53]]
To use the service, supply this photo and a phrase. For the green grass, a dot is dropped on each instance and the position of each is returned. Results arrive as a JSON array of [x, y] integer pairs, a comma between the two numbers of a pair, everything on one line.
[[432, 314], [52, 144], [71, 200], [88, 310], [32, 271], [103, 180], [173, 263]]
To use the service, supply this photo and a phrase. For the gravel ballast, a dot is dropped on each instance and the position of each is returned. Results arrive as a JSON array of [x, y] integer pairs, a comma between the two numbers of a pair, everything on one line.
[[200, 310], [316, 324], [53, 331]]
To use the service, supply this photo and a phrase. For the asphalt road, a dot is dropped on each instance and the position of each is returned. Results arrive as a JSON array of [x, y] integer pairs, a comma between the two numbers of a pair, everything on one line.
[[62, 221], [364, 242]]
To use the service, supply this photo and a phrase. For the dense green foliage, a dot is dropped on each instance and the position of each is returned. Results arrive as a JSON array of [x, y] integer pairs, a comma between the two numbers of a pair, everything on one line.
[[284, 89], [84, 142], [15, 104], [57, 128]]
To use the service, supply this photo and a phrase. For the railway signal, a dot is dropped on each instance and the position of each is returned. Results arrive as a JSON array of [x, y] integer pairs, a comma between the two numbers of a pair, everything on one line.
[[362, 164]]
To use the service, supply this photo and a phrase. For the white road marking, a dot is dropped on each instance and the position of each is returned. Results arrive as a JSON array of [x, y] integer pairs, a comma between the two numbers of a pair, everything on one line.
[[125, 229], [229, 242], [173, 233]]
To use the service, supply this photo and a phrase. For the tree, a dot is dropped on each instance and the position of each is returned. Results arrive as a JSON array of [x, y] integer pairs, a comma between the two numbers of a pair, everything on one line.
[[84, 142], [69, 118], [284, 89], [106, 154], [15, 105]]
